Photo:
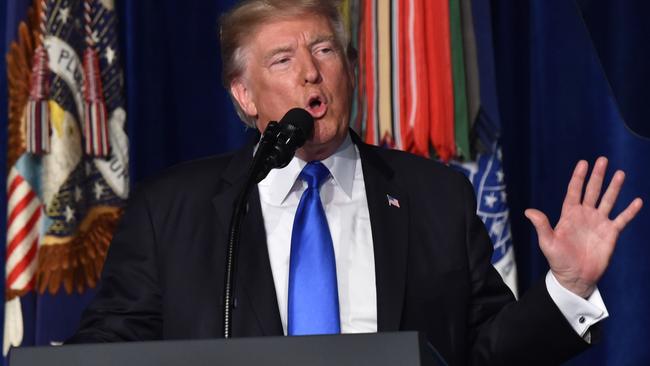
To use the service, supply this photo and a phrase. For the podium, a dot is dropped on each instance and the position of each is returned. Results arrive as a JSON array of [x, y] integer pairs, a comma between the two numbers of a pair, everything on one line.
[[377, 349]]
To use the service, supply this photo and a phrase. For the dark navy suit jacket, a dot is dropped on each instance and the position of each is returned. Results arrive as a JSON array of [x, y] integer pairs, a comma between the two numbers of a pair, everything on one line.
[[163, 277]]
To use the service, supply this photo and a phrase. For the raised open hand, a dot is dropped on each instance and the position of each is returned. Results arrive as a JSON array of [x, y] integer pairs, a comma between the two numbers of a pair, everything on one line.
[[578, 250]]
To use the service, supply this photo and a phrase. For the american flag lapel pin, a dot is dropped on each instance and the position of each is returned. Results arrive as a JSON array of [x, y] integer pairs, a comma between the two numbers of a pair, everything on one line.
[[392, 201]]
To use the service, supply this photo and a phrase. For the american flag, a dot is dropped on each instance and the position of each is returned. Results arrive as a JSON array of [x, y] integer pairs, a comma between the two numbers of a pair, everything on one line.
[[392, 201], [23, 225]]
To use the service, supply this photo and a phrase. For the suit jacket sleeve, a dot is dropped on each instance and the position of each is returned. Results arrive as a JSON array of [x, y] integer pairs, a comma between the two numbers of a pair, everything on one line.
[[529, 331], [128, 304]]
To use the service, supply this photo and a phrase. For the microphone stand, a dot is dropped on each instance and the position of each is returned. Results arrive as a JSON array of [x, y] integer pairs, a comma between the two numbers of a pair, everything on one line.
[[276, 148], [257, 171]]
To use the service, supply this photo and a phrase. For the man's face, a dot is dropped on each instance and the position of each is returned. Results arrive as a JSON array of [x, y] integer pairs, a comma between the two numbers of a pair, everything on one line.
[[297, 62]]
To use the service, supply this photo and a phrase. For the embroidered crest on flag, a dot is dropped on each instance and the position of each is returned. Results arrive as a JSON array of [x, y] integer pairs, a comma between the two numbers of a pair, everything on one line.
[[67, 151]]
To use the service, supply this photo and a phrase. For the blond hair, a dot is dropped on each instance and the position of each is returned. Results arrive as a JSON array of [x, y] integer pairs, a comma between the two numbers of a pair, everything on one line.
[[242, 20]]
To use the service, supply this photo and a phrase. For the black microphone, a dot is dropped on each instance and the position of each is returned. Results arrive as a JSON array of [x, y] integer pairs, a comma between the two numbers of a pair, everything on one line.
[[275, 150], [280, 142]]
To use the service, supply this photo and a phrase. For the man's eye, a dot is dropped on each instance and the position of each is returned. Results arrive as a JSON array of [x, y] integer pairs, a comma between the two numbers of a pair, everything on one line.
[[326, 50], [281, 61]]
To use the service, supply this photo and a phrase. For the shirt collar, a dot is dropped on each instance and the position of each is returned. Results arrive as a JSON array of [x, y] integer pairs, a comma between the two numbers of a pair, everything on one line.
[[341, 164]]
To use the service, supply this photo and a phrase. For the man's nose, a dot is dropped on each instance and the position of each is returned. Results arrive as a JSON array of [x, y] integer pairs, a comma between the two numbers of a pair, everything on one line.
[[310, 70]]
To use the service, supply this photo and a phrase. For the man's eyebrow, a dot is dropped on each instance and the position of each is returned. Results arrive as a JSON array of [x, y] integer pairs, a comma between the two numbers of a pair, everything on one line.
[[275, 51], [321, 39]]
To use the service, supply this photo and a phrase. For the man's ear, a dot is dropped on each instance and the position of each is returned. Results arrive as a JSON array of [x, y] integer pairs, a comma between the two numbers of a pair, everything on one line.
[[243, 96]]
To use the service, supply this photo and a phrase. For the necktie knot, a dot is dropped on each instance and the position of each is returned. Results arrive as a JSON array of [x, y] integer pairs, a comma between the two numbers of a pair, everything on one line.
[[314, 173]]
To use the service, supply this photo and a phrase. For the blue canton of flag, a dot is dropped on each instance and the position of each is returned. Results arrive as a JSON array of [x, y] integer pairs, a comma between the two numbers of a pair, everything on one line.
[[486, 175]]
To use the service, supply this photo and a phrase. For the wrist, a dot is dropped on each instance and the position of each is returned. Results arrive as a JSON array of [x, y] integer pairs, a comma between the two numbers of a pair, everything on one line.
[[575, 285]]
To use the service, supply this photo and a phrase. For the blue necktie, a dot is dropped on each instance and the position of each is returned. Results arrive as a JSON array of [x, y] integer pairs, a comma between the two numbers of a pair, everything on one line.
[[313, 293]]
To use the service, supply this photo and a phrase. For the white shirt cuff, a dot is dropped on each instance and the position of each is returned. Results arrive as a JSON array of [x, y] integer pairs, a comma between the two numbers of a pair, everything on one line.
[[580, 313]]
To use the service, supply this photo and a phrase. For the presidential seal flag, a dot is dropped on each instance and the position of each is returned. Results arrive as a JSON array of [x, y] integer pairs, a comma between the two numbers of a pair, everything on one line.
[[67, 163]]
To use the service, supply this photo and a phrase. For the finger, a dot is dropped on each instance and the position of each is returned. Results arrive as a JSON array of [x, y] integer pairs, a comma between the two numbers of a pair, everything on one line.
[[595, 184], [541, 224], [611, 194], [574, 190], [628, 214]]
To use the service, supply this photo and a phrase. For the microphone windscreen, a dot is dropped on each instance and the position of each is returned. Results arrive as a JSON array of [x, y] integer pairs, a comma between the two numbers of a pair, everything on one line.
[[300, 119]]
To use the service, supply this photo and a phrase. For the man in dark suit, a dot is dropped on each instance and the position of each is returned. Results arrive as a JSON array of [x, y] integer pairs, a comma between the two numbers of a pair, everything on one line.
[[411, 254]]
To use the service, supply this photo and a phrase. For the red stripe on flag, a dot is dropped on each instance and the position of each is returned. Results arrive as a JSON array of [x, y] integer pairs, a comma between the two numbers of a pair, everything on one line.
[[22, 234], [14, 184], [23, 264], [20, 206]]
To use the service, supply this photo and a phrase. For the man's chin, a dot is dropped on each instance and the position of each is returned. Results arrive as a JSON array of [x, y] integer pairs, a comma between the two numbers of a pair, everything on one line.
[[320, 147]]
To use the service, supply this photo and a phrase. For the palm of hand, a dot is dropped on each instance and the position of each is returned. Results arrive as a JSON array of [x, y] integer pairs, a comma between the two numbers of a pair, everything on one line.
[[580, 246]]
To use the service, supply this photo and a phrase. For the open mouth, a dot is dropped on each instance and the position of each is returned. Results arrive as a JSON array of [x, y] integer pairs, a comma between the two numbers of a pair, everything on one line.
[[316, 106]]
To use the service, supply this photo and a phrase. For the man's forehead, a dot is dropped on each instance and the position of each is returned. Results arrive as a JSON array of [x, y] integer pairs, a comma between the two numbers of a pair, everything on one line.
[[285, 32]]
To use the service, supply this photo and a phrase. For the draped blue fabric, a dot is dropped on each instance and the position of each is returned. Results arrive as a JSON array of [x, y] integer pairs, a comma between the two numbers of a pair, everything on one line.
[[563, 70], [177, 109], [487, 124], [616, 28], [313, 292]]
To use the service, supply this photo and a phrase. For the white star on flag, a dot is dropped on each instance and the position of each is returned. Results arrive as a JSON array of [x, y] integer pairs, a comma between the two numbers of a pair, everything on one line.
[[69, 214], [110, 55], [491, 200], [500, 176], [64, 13]]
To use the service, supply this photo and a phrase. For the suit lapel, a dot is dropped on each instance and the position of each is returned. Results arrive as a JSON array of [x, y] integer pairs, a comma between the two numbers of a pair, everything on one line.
[[389, 225], [255, 270], [254, 280]]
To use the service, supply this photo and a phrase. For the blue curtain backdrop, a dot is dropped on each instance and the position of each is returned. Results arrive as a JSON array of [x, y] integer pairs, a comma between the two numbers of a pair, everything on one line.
[[569, 74], [177, 109]]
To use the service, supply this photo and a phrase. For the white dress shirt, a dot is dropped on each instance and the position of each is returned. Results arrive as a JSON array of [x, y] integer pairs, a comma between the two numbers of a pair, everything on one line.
[[344, 200]]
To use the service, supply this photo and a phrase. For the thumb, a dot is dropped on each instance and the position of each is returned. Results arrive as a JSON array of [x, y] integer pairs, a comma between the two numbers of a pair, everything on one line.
[[541, 224]]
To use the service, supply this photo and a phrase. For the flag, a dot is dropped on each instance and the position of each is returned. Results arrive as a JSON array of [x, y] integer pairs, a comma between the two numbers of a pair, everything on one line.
[[487, 177], [426, 85], [392, 201], [67, 155]]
